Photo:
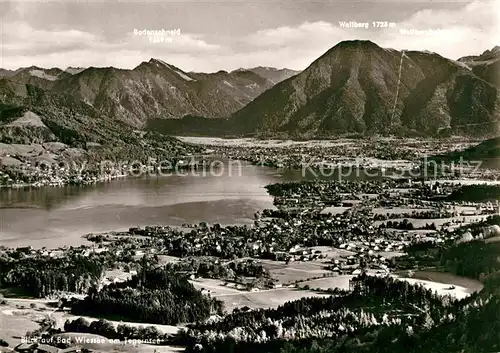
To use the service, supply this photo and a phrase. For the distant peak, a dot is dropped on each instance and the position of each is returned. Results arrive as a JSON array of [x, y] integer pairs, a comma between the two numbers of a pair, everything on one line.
[[268, 68], [74, 70], [158, 61], [352, 45], [257, 68], [357, 42], [32, 67]]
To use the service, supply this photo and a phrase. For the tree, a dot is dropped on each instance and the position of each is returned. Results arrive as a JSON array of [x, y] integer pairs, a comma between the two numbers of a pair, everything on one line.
[[78, 325], [104, 328], [428, 321]]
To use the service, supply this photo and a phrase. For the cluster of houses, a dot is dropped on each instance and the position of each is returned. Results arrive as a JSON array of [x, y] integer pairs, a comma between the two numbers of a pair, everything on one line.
[[399, 154], [53, 174], [84, 250]]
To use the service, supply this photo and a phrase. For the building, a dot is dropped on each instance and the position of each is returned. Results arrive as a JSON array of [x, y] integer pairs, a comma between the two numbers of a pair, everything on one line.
[[466, 237]]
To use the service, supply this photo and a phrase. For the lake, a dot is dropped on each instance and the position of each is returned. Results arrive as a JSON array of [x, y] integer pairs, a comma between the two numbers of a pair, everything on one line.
[[57, 216]]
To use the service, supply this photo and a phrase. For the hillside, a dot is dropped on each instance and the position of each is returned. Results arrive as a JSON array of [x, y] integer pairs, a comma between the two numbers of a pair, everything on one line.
[[4, 72], [33, 121], [357, 86], [73, 121], [36, 76], [486, 152]]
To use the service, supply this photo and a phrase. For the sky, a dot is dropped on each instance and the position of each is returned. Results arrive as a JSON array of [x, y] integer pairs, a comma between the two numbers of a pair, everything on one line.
[[231, 34]]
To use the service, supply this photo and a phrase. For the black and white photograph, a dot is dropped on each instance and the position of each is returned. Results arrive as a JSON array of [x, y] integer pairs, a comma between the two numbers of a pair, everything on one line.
[[250, 176]]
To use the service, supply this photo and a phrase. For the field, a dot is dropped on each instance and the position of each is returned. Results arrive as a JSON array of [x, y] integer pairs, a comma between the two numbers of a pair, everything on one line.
[[295, 271], [13, 327], [271, 298], [333, 253], [458, 292], [384, 210], [335, 210], [449, 278], [440, 284], [234, 298], [341, 282]]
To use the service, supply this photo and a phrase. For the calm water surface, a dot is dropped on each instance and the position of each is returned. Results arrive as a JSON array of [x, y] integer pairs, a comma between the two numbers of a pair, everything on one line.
[[54, 217]]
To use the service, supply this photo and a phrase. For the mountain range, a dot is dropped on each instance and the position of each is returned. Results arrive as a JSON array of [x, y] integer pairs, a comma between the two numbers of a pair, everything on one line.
[[154, 89], [359, 87], [356, 87]]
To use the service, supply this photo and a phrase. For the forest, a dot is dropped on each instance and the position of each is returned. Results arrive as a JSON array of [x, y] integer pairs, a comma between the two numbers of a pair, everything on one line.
[[43, 276], [106, 329], [375, 303], [154, 295]]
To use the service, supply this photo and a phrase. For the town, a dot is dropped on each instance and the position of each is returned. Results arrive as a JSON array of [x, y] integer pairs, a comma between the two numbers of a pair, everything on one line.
[[319, 238]]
